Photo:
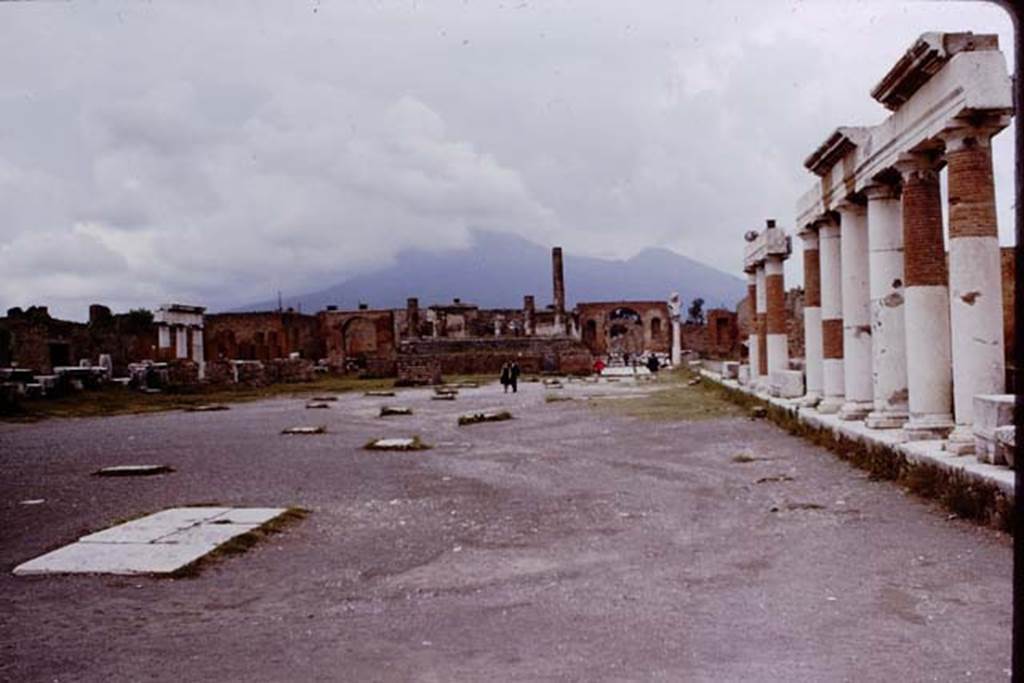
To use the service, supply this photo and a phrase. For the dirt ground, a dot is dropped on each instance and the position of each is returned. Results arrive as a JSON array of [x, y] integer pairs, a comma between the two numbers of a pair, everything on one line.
[[572, 543]]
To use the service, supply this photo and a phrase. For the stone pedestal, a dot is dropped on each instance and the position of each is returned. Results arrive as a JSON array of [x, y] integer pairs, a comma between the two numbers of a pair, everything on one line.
[[888, 338]]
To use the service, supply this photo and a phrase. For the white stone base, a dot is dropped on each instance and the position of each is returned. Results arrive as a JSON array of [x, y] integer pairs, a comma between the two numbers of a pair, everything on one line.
[[810, 399], [928, 427], [787, 384], [743, 374], [831, 404], [161, 543], [961, 440], [730, 369], [991, 411], [855, 410], [883, 420]]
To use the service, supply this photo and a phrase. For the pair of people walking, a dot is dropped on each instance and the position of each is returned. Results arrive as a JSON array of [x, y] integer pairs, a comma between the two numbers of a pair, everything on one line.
[[510, 376]]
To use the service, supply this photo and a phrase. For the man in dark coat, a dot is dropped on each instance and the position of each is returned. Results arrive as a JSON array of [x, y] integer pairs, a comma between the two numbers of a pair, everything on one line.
[[506, 376], [513, 376]]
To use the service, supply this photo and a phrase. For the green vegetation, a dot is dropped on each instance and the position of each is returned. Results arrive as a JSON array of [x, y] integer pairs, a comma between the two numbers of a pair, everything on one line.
[[674, 399]]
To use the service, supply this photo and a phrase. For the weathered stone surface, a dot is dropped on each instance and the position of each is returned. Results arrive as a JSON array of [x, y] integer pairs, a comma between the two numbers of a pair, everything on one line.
[[380, 393], [786, 383], [1006, 444], [397, 444], [486, 416], [385, 411], [318, 405], [319, 429], [991, 411]]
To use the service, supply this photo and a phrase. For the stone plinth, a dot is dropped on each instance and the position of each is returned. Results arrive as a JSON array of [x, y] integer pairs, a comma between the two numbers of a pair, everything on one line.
[[991, 412]]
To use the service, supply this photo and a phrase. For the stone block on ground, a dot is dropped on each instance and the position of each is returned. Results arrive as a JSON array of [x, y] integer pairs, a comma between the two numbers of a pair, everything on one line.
[[397, 444], [1006, 444], [133, 470], [991, 411], [379, 393], [730, 369], [385, 411], [318, 429], [485, 416], [207, 408], [786, 384], [317, 405], [443, 397]]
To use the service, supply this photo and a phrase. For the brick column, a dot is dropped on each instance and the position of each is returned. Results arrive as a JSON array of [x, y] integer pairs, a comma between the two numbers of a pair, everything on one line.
[[926, 306], [833, 384], [888, 339], [762, 328], [975, 281], [752, 352], [412, 317], [856, 298], [528, 313], [775, 316], [812, 317]]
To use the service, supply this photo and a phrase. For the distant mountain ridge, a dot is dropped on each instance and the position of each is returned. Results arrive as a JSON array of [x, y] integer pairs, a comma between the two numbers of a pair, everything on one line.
[[497, 269]]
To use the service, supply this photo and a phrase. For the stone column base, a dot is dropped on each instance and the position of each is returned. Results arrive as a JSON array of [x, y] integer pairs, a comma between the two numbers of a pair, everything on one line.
[[960, 441], [881, 419], [928, 427], [855, 410], [831, 404], [810, 399]]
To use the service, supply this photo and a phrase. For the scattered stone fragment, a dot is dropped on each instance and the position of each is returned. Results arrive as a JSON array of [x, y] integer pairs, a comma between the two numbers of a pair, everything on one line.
[[322, 399], [396, 444], [395, 410], [133, 470], [443, 397], [804, 506], [318, 404], [379, 393], [443, 391], [776, 478], [467, 385], [318, 429], [743, 457], [33, 501], [206, 408], [552, 381], [487, 416], [693, 382]]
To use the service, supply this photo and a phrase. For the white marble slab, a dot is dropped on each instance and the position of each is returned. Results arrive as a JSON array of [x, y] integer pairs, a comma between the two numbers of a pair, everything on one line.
[[160, 543]]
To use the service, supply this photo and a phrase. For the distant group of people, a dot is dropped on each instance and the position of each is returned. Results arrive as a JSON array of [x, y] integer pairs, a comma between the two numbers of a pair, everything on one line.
[[510, 376]]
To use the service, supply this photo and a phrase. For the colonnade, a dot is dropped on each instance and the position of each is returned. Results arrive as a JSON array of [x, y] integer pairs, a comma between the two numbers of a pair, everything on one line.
[[898, 333], [768, 344]]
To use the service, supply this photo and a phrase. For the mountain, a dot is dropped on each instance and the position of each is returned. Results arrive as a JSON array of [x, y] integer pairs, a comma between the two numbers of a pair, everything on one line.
[[499, 268]]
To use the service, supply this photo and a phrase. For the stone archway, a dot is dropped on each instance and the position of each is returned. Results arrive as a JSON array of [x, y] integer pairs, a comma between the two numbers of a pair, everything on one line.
[[625, 332]]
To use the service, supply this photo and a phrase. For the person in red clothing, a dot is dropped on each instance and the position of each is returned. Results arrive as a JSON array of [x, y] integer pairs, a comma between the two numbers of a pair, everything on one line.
[[598, 366]]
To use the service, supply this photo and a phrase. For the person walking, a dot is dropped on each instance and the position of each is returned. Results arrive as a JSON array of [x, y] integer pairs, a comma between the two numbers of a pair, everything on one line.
[[513, 376], [506, 376]]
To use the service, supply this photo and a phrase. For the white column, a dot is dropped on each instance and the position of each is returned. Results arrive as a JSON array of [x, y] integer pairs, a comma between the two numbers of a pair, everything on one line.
[[812, 318], [833, 380], [181, 343], [762, 331], [197, 350], [856, 312], [888, 339], [163, 336], [926, 308], [775, 316], [975, 279], [677, 342]]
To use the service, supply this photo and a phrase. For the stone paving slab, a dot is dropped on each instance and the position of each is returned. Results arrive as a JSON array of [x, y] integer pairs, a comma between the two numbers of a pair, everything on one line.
[[160, 543]]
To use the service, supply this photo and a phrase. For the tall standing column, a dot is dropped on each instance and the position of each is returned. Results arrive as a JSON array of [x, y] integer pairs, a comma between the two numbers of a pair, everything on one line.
[[198, 354], [752, 352], [181, 342], [775, 316], [856, 297], [558, 276], [975, 280], [412, 317], [926, 307], [888, 339], [528, 312], [833, 380], [762, 329], [812, 317]]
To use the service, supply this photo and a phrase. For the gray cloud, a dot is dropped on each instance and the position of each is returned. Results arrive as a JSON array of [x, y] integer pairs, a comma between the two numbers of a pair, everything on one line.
[[219, 152]]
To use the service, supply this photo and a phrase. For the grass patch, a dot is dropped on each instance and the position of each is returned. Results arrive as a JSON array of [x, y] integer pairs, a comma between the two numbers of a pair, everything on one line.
[[117, 400], [242, 543], [675, 401]]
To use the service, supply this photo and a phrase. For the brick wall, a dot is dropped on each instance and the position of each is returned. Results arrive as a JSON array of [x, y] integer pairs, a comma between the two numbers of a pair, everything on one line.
[[261, 335]]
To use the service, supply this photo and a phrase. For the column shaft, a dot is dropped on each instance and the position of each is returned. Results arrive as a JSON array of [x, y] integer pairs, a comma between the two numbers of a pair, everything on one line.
[[762, 326], [812, 317], [856, 313], [775, 316], [926, 309], [888, 339], [975, 281], [752, 353], [833, 384]]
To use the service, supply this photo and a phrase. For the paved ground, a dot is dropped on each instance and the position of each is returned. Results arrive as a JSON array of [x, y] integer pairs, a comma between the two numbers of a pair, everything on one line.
[[566, 544]]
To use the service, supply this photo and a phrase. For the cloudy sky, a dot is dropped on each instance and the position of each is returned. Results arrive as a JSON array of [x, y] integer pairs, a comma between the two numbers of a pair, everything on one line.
[[215, 153]]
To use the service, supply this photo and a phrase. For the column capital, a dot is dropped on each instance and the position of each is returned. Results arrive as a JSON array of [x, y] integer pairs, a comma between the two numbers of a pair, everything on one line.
[[851, 204], [918, 165], [878, 191], [977, 131]]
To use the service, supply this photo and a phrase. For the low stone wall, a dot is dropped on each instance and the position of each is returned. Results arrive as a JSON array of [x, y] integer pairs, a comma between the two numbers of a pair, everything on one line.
[[969, 488], [418, 371], [486, 355], [288, 370]]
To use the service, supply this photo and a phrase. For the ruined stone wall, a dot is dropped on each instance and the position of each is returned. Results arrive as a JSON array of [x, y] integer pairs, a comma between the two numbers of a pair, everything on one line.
[[355, 340], [487, 355], [604, 333], [262, 336], [1009, 272], [795, 322], [34, 340]]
